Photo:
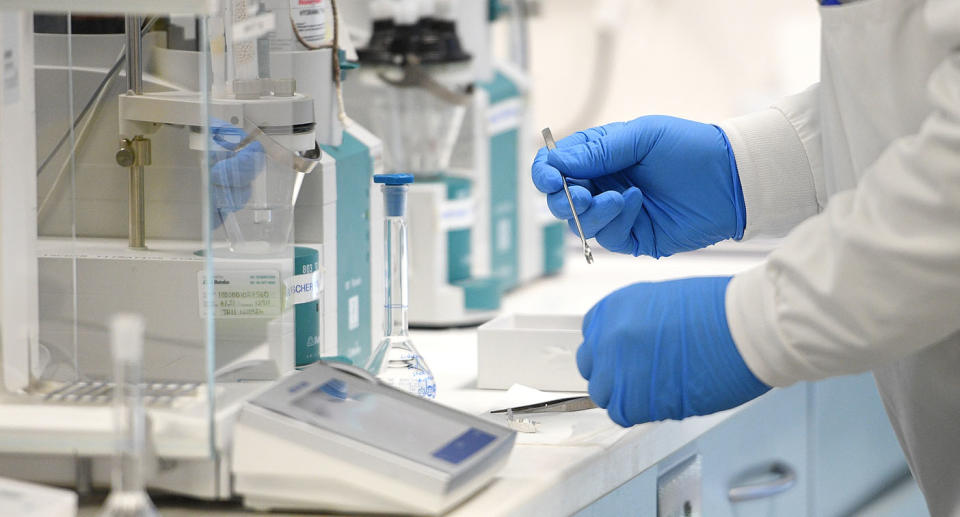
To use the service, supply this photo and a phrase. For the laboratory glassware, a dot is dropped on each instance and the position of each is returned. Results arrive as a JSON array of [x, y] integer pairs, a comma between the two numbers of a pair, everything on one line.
[[128, 497], [256, 180], [396, 360]]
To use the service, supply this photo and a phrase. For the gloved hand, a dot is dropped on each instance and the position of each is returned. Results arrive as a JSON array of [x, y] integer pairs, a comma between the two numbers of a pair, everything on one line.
[[231, 170], [653, 186], [662, 350]]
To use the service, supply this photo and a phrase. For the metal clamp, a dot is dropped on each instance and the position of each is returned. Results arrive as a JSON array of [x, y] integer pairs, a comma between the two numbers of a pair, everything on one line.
[[785, 478], [134, 153], [303, 163], [126, 156]]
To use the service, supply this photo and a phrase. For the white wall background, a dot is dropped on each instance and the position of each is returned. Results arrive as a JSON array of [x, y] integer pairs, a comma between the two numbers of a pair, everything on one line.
[[701, 59]]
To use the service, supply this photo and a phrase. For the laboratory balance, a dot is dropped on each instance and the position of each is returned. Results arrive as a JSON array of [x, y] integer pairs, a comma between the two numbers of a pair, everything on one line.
[[422, 458]]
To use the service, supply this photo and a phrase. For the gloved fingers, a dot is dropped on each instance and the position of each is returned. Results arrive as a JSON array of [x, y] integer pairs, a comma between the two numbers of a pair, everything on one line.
[[645, 235], [585, 353], [228, 142], [587, 135], [231, 142], [217, 156], [225, 134], [216, 219], [604, 208], [239, 169], [617, 407], [587, 184], [617, 182], [618, 417], [545, 176], [590, 365], [560, 206], [584, 361], [635, 397], [600, 387], [224, 201], [617, 236], [620, 148]]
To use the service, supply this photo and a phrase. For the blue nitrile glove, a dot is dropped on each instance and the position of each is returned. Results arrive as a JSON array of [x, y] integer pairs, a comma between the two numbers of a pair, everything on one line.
[[653, 186], [231, 171], [662, 350]]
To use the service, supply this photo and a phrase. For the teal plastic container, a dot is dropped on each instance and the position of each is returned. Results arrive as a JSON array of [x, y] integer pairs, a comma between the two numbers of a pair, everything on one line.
[[307, 314]]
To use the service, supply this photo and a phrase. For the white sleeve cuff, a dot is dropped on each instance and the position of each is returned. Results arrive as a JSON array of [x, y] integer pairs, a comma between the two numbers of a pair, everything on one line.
[[751, 303], [775, 172]]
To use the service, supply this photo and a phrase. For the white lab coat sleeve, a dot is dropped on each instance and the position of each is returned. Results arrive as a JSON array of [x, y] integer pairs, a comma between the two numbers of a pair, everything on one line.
[[779, 160], [876, 275]]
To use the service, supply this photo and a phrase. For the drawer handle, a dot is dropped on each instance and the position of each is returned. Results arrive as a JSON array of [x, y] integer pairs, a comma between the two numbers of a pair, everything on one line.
[[785, 478]]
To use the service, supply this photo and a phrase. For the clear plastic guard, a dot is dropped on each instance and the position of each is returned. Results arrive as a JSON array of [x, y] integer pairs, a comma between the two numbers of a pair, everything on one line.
[[210, 280]]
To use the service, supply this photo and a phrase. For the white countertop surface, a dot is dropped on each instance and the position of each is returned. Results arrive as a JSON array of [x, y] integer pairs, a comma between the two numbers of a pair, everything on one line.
[[575, 458]]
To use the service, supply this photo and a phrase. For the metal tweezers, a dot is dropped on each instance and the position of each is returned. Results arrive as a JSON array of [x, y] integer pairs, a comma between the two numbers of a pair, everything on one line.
[[564, 405], [551, 145]]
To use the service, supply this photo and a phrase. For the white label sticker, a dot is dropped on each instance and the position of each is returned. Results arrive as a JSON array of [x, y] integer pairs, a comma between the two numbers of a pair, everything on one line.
[[353, 312], [242, 294], [254, 27], [309, 18], [303, 288], [457, 214], [504, 235], [504, 116]]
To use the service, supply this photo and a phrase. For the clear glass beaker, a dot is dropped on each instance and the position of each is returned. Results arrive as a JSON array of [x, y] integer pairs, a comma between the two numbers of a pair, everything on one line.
[[251, 193], [396, 360]]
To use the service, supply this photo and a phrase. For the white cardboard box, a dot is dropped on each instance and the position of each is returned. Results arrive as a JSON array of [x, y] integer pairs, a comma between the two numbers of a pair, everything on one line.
[[536, 350]]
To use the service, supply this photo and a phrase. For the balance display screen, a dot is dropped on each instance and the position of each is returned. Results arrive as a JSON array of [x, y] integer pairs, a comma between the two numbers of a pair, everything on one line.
[[464, 446], [354, 408]]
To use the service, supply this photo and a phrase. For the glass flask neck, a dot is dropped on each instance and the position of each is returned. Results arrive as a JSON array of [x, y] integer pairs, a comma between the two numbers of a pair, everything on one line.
[[395, 321]]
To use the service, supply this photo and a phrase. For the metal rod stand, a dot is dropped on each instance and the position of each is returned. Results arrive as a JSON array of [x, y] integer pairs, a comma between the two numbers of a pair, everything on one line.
[[137, 222]]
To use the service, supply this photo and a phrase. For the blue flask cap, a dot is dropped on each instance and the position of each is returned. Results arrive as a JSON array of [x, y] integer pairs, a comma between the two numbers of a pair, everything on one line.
[[394, 192], [393, 179]]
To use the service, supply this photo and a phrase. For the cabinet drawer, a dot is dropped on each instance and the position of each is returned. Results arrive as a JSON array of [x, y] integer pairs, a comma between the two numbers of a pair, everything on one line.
[[755, 463]]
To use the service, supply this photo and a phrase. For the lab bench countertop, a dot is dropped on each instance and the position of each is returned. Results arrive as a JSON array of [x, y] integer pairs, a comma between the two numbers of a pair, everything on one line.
[[575, 458]]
